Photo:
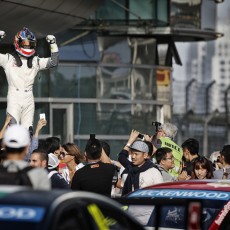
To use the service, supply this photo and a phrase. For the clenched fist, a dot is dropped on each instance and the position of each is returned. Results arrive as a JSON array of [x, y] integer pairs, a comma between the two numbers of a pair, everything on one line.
[[2, 34], [50, 39]]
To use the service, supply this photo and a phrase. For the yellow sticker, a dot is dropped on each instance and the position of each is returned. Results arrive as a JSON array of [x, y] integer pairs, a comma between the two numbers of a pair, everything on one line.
[[98, 217]]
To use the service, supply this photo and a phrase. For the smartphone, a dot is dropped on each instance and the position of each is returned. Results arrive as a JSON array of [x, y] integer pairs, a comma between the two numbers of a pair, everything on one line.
[[43, 116], [141, 136]]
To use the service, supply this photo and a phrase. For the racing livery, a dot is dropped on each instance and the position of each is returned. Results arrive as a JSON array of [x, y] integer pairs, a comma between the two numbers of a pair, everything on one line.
[[169, 205]]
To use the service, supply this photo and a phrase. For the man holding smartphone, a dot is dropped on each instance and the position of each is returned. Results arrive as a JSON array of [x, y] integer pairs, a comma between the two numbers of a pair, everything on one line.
[[43, 116]]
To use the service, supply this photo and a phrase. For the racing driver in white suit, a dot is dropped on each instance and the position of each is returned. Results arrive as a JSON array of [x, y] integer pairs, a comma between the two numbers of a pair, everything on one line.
[[21, 68]]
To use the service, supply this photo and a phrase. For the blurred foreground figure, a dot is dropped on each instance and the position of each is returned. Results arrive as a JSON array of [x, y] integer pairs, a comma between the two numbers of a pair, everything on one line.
[[14, 170]]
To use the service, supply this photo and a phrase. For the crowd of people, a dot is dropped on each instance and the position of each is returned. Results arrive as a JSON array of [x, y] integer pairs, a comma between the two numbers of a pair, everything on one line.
[[48, 164], [143, 161]]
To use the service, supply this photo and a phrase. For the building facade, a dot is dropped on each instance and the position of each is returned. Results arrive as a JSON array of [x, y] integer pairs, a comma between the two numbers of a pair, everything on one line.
[[115, 69]]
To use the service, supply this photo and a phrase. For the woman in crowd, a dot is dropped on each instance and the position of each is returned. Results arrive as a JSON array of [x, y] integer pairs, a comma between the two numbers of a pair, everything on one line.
[[202, 169], [73, 158]]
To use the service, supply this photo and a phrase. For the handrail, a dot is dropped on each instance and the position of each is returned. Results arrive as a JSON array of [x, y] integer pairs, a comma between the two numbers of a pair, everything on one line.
[[96, 100]]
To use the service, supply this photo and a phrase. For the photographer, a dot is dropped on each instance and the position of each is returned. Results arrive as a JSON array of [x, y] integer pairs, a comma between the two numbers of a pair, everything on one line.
[[215, 159], [223, 173], [164, 138], [123, 156], [139, 170]]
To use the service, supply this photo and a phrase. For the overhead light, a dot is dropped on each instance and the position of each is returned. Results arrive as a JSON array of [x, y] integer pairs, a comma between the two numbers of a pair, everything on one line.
[[219, 1]]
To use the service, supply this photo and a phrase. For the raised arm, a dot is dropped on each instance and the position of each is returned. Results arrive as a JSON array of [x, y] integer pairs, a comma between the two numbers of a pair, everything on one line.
[[41, 123], [104, 157], [34, 141], [123, 155], [2, 34], [7, 122], [53, 61], [2, 61]]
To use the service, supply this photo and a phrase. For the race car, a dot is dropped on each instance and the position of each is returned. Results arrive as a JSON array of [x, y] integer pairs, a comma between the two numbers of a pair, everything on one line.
[[22, 208], [191, 204]]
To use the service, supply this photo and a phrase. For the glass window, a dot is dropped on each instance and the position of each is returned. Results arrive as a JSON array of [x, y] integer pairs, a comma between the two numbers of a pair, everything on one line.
[[76, 47], [162, 10], [73, 81], [144, 9], [133, 11], [186, 13], [174, 216], [111, 11]]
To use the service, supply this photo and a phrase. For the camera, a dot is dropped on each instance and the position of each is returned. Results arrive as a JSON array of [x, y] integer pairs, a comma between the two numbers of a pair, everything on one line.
[[217, 160], [141, 136], [92, 136], [157, 125]]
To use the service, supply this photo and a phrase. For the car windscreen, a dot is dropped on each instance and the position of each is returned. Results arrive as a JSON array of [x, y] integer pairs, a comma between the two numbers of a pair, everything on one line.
[[173, 216], [168, 208]]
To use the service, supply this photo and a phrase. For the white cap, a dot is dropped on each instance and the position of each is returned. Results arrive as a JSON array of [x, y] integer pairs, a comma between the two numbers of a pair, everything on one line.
[[53, 161], [16, 136]]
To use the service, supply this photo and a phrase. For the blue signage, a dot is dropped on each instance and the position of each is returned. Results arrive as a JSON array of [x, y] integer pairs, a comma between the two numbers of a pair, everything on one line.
[[21, 213], [175, 193]]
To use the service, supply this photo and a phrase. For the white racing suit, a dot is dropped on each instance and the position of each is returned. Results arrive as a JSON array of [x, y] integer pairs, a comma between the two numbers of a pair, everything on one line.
[[20, 99]]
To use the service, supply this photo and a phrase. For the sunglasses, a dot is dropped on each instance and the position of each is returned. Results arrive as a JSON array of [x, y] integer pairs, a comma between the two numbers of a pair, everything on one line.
[[63, 154]]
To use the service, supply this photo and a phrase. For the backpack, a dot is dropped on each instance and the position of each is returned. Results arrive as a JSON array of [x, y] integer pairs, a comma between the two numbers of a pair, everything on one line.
[[15, 178]]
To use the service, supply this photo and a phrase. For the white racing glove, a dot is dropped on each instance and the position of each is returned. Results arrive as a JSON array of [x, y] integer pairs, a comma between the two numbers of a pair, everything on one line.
[[2, 34], [52, 41]]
